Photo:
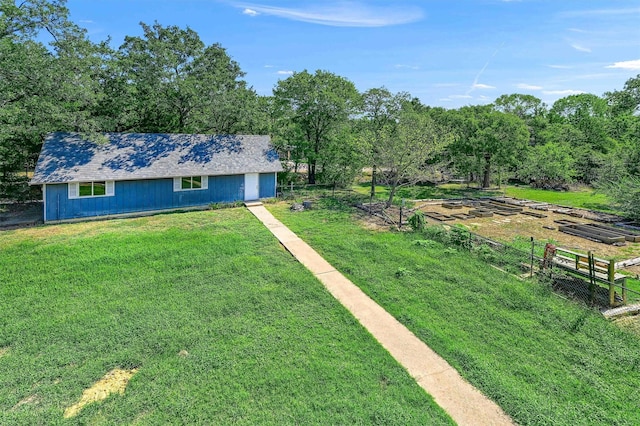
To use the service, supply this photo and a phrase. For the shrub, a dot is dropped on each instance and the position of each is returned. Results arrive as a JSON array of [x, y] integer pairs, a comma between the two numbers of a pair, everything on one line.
[[417, 221]]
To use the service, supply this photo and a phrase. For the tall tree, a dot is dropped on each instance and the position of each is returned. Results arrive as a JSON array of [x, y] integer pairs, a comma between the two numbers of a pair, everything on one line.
[[529, 108], [41, 90], [318, 105], [406, 151], [178, 84], [488, 139], [587, 115], [381, 110]]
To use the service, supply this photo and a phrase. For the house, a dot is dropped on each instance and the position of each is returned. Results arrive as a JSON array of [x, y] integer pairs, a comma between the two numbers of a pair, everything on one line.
[[119, 173]]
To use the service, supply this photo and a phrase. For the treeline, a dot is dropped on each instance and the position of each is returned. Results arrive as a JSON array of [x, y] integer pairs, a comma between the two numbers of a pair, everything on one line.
[[168, 81]]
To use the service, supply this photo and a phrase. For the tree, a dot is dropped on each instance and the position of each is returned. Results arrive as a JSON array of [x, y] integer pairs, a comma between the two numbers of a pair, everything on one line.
[[381, 109], [23, 20], [586, 114], [318, 105], [488, 139], [406, 151], [548, 166], [41, 90], [626, 101], [177, 84], [527, 107]]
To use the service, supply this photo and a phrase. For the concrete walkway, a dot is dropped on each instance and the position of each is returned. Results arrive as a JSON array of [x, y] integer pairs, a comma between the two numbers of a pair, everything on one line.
[[464, 403]]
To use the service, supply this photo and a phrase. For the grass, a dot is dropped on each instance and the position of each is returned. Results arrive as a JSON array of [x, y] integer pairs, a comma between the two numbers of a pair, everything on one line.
[[421, 192], [584, 198], [266, 343], [543, 359]]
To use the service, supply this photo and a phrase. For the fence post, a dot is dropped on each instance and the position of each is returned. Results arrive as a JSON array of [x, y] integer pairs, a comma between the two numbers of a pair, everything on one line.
[[612, 279], [592, 278], [532, 246]]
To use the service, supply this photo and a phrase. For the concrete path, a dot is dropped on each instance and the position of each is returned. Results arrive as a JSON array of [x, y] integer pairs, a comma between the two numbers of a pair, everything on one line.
[[464, 403]]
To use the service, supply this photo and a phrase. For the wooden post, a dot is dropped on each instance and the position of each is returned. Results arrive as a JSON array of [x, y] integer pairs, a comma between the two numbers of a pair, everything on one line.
[[532, 246], [592, 278], [612, 280]]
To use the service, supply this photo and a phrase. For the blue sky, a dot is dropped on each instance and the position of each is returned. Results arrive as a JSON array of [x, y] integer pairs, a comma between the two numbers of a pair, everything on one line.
[[448, 53]]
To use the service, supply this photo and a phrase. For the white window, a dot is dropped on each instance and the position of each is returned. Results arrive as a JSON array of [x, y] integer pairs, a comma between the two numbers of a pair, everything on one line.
[[100, 188], [188, 183]]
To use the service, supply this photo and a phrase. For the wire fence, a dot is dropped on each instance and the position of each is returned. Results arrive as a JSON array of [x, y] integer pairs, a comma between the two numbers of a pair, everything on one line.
[[289, 191], [525, 262]]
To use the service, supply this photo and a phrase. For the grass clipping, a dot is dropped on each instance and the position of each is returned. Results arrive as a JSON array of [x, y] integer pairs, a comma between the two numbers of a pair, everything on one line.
[[114, 381]]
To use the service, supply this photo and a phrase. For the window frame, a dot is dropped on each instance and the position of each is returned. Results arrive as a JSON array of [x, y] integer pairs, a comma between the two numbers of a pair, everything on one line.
[[179, 181], [74, 189]]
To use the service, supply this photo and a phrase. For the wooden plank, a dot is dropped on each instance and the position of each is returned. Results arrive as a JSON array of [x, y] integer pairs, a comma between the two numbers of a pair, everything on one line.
[[452, 205], [534, 214], [480, 213], [568, 229], [628, 235]]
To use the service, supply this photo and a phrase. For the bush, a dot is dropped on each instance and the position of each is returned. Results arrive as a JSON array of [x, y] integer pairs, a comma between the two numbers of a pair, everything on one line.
[[417, 221]]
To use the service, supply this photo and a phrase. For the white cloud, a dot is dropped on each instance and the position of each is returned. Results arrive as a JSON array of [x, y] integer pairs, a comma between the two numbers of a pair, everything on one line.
[[601, 12], [562, 92], [483, 86], [525, 86], [268, 66], [284, 72], [626, 65], [342, 14], [580, 48], [250, 12], [86, 21], [461, 97], [402, 66], [560, 67], [444, 100]]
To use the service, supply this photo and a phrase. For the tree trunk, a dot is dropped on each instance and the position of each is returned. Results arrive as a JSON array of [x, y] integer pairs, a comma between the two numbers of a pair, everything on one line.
[[392, 194], [312, 172], [486, 180], [373, 181]]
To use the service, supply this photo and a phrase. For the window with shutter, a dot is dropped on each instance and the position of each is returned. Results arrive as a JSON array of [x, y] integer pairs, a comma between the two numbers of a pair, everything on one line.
[[73, 189], [190, 183], [91, 189]]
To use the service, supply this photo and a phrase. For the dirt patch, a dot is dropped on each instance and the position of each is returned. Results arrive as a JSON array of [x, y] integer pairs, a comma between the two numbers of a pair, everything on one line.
[[505, 229], [4, 351], [115, 381], [31, 399], [631, 323]]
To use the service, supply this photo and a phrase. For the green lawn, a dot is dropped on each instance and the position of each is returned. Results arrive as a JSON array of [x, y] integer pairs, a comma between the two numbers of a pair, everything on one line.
[[418, 192], [585, 198], [266, 343], [545, 360]]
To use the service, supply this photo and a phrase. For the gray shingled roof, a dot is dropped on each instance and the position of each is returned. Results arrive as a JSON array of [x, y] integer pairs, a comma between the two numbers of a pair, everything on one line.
[[71, 157]]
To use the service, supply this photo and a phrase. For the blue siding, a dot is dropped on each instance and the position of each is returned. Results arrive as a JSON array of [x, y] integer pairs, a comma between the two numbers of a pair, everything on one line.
[[141, 195], [267, 185]]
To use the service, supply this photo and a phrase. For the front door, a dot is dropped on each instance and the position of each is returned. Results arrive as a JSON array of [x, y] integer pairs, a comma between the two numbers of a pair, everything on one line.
[[251, 186]]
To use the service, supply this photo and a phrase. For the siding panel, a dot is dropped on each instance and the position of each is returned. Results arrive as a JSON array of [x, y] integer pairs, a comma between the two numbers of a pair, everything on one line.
[[140, 196]]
